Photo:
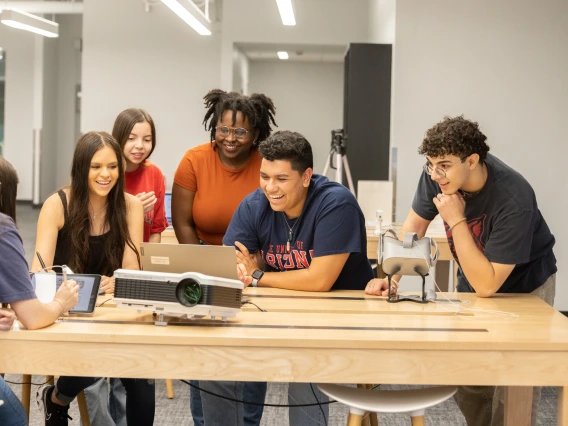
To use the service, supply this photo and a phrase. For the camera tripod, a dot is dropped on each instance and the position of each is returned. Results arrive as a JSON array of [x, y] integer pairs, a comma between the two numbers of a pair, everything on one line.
[[338, 150]]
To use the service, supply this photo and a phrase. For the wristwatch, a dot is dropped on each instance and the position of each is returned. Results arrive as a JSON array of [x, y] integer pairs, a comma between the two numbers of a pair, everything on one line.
[[256, 275]]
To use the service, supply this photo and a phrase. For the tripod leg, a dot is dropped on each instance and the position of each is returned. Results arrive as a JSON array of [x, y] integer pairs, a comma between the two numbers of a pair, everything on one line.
[[339, 170], [348, 173], [326, 167]]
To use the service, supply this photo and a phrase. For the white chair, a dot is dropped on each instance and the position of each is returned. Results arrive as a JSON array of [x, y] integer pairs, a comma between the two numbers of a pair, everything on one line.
[[413, 401]]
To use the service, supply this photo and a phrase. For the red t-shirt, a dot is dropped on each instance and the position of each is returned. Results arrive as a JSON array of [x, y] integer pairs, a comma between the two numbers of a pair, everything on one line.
[[148, 177]]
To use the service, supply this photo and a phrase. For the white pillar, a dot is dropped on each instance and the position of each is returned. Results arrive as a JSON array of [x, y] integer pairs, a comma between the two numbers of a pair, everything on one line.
[[382, 14], [37, 116]]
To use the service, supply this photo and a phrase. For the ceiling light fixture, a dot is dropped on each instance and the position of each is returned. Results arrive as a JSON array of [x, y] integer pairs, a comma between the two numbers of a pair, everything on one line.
[[286, 12], [28, 22], [191, 14], [283, 55]]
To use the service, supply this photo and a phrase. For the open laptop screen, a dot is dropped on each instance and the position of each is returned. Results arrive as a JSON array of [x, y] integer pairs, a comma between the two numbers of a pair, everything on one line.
[[168, 206], [216, 261]]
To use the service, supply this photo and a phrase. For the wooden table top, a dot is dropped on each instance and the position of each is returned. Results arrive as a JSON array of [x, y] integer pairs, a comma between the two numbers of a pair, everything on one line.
[[337, 319], [331, 337]]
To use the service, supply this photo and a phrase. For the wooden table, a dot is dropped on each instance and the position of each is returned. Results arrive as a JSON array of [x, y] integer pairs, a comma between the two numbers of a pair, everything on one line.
[[340, 336]]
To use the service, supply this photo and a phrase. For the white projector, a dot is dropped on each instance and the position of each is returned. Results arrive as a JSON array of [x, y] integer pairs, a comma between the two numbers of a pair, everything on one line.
[[190, 293]]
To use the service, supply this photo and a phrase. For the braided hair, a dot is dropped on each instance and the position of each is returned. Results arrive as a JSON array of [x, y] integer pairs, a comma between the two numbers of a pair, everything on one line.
[[257, 108]]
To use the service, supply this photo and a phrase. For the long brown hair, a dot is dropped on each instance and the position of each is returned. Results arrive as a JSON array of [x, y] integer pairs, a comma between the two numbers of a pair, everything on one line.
[[79, 217], [126, 121], [8, 188]]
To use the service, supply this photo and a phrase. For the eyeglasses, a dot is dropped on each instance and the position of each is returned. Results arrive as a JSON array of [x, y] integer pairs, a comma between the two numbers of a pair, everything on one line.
[[239, 132], [442, 169]]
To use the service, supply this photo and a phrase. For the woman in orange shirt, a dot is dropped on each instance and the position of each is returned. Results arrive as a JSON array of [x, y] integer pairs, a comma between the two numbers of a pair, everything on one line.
[[212, 179], [209, 184]]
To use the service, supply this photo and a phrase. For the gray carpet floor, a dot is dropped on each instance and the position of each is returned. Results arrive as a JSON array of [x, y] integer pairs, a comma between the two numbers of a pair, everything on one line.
[[175, 412]]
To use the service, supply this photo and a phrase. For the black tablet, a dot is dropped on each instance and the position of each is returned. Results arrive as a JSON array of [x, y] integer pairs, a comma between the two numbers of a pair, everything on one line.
[[88, 290]]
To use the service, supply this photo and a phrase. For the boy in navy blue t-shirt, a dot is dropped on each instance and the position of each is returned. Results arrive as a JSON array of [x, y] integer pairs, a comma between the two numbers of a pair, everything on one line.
[[299, 223]]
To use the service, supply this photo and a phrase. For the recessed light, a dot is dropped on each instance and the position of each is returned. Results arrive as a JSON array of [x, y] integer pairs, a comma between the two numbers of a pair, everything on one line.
[[286, 12]]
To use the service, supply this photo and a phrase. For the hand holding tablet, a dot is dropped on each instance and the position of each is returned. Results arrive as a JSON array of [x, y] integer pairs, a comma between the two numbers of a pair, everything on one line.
[[78, 295], [67, 295]]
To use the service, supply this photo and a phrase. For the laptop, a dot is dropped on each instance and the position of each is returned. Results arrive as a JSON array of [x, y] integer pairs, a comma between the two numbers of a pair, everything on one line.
[[168, 208], [217, 261]]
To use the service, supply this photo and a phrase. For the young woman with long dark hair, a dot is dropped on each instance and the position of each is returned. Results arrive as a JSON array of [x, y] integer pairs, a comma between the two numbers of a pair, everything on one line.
[[94, 227]]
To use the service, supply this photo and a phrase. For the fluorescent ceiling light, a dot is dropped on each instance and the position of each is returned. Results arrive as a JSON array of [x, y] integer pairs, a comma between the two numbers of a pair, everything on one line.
[[286, 12], [283, 55], [28, 22], [191, 14]]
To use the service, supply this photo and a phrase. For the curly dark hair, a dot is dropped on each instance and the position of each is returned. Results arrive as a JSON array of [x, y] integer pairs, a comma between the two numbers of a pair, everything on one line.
[[257, 108], [454, 136], [289, 146]]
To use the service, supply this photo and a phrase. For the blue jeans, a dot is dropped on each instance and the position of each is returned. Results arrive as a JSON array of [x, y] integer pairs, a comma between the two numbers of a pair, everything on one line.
[[222, 412], [117, 402], [301, 393], [106, 409], [11, 411], [205, 408]]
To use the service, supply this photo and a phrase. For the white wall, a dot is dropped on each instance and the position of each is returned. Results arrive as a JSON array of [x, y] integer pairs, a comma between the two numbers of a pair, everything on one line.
[[503, 64], [19, 46], [331, 22], [154, 61], [68, 77], [382, 21], [39, 75], [308, 99], [49, 113], [241, 73]]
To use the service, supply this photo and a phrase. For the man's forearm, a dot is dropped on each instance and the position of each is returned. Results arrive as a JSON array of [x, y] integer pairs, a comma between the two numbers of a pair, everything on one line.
[[477, 269], [299, 279]]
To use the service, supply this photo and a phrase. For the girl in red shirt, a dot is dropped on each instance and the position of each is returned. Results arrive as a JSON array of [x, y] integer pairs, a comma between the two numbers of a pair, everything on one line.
[[135, 132]]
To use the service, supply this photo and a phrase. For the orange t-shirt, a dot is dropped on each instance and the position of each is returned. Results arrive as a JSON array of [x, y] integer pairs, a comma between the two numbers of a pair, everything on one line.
[[218, 189]]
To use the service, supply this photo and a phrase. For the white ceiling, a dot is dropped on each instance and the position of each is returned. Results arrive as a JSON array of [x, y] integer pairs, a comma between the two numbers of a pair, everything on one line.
[[296, 52]]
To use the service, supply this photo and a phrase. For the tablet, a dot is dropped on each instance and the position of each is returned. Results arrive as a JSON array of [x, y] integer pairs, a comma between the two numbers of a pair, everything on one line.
[[88, 289]]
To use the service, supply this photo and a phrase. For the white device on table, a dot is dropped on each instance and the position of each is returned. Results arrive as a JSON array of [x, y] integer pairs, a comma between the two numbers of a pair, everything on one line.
[[190, 293], [412, 256]]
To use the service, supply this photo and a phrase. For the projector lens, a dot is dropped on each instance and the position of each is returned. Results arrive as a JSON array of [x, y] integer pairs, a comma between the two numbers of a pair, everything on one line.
[[188, 292]]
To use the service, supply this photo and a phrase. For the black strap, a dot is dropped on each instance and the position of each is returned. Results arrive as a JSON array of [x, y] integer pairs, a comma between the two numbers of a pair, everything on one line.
[[63, 197]]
